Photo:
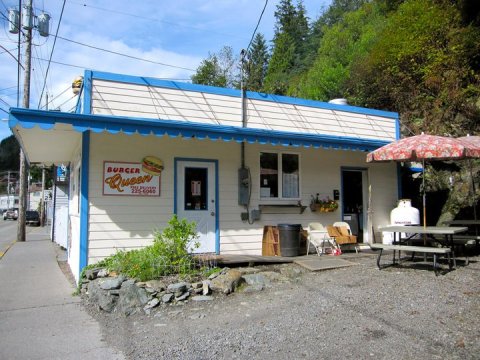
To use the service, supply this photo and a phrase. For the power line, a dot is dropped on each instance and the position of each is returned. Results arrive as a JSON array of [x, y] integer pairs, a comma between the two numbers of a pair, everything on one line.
[[258, 24], [8, 88], [5, 6], [60, 63], [156, 20], [37, 76], [3, 101], [51, 53], [13, 56], [125, 55], [56, 97], [59, 106], [86, 67], [40, 66]]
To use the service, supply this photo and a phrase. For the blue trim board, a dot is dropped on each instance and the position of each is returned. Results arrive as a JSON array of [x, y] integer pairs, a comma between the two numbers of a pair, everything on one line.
[[147, 81], [217, 192], [46, 120], [397, 129], [84, 202], [87, 92]]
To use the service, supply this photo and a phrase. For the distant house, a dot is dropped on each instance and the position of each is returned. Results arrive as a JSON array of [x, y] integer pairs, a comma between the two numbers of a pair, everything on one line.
[[8, 201], [141, 149]]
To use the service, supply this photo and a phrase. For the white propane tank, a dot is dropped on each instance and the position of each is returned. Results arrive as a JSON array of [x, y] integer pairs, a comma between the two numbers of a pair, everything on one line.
[[403, 214]]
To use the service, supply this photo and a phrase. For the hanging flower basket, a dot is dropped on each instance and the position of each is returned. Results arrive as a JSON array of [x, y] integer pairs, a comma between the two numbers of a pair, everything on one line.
[[322, 208], [323, 205]]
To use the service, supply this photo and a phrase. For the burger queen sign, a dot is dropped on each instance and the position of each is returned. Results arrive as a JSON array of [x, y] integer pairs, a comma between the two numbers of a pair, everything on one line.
[[132, 178]]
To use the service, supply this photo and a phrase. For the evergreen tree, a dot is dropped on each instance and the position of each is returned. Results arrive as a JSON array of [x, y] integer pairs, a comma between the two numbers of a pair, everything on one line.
[[9, 154], [285, 16], [291, 31], [280, 66], [256, 67]]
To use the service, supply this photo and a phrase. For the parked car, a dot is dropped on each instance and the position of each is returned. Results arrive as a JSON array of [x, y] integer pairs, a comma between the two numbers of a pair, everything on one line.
[[32, 217], [11, 214]]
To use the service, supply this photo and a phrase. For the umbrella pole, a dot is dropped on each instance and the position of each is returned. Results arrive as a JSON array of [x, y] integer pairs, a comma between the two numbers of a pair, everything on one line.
[[370, 230], [424, 200]]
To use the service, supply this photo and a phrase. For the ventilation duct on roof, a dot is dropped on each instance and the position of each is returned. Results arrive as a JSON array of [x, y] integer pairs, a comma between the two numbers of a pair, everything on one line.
[[340, 101]]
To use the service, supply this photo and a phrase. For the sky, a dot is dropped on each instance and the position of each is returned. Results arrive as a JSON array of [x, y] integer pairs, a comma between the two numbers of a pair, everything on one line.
[[173, 36]]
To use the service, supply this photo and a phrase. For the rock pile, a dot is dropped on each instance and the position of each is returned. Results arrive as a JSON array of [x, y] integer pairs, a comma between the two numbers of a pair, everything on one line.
[[116, 293]]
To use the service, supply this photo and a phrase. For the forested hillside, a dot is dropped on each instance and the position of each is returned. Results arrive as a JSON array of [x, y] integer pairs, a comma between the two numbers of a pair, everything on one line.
[[420, 58], [10, 161]]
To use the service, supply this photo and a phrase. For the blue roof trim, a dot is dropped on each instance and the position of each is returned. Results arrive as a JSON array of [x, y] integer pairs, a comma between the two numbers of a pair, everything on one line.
[[140, 80], [27, 118]]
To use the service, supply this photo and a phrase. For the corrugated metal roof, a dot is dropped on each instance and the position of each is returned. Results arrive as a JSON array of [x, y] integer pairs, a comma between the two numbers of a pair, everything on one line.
[[130, 96]]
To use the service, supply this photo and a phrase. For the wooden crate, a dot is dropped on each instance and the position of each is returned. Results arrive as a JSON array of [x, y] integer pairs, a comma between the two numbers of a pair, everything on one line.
[[270, 241]]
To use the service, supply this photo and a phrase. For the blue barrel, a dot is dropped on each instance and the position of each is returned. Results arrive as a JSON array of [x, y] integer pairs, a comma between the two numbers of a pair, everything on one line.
[[289, 235]]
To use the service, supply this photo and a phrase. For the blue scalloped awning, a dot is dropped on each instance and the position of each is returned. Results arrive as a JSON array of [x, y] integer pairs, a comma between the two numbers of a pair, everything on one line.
[[47, 120]]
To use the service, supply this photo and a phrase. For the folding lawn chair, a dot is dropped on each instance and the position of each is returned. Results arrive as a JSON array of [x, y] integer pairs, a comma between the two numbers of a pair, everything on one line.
[[319, 238]]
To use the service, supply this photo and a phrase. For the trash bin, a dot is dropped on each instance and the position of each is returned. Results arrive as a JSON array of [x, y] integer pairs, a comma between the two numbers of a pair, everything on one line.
[[289, 235]]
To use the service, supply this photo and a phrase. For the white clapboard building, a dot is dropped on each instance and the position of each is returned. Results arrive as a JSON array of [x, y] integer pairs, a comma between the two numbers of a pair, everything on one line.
[[141, 149]]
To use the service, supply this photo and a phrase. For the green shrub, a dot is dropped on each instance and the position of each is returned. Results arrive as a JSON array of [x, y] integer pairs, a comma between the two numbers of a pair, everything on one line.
[[168, 255]]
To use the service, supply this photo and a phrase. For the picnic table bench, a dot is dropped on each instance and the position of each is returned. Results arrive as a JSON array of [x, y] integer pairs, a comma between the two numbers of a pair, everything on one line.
[[414, 249], [461, 241]]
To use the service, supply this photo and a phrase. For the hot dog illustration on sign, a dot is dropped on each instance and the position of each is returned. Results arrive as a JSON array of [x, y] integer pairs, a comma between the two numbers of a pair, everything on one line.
[[152, 165]]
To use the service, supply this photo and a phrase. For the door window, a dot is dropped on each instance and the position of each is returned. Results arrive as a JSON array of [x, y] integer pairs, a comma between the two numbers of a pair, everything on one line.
[[196, 196]]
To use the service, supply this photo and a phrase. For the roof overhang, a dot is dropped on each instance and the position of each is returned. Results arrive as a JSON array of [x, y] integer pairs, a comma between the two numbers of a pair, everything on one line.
[[52, 137]]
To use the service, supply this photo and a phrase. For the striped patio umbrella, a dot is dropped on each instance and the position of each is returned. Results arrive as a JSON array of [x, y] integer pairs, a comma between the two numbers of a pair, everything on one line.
[[423, 148]]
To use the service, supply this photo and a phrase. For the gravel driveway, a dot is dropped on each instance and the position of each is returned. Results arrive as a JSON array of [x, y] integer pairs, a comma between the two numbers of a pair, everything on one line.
[[357, 312]]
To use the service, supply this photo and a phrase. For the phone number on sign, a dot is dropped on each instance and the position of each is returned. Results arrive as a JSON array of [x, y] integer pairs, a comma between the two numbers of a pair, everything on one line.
[[144, 190]]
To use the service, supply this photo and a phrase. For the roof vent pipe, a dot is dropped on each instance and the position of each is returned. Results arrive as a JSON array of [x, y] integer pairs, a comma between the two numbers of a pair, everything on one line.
[[340, 101]]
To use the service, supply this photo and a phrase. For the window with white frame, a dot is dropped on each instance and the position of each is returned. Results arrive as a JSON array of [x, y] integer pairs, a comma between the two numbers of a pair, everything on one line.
[[279, 175]]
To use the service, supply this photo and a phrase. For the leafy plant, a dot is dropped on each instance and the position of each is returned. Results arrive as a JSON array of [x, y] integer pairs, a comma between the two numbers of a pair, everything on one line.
[[169, 254], [323, 205]]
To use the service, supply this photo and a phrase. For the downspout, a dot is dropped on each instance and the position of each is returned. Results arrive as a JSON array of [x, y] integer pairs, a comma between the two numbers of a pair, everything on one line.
[[243, 53], [244, 104]]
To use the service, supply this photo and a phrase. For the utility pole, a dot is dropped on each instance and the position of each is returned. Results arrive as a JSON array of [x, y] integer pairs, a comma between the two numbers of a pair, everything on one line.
[[8, 190], [27, 20], [42, 201]]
